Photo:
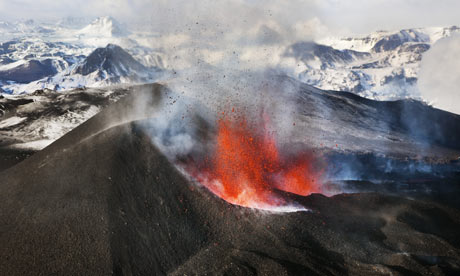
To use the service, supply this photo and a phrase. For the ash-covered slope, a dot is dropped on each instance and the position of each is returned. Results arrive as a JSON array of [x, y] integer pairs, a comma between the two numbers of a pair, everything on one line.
[[103, 200], [349, 123], [337, 122], [29, 123], [363, 139], [33, 121]]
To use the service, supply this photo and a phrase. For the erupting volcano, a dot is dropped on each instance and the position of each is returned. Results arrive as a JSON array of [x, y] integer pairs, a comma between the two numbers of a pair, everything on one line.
[[247, 168], [106, 198]]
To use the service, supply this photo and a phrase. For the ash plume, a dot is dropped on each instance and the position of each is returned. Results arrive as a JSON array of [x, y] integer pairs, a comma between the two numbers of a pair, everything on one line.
[[439, 80], [235, 57]]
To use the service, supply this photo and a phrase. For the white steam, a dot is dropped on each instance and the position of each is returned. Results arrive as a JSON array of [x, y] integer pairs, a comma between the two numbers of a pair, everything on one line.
[[439, 77]]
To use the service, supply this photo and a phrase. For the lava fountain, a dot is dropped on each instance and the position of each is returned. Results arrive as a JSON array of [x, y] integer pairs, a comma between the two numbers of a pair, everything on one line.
[[247, 168]]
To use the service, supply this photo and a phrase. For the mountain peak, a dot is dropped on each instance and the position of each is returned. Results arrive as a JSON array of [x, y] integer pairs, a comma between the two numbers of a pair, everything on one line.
[[106, 26], [111, 60]]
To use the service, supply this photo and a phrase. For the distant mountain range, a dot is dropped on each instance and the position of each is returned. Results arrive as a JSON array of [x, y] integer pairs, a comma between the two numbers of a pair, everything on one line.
[[102, 67], [76, 52], [67, 57], [382, 65]]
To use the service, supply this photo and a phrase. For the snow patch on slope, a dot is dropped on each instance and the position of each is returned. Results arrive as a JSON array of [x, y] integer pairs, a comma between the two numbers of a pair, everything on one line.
[[104, 27], [12, 121]]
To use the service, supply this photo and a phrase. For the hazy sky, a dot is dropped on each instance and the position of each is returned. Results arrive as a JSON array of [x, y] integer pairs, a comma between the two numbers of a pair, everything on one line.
[[336, 16]]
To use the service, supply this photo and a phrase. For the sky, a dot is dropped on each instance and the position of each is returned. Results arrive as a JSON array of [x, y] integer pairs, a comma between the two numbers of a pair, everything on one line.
[[331, 16]]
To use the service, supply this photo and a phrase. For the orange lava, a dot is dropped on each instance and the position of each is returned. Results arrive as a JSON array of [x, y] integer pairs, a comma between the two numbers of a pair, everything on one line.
[[247, 168]]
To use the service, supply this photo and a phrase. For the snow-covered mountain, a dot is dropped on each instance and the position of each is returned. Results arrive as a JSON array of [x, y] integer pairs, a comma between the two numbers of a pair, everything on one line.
[[378, 39], [106, 66], [60, 71], [104, 26], [109, 65], [382, 65], [71, 56], [111, 60], [37, 55]]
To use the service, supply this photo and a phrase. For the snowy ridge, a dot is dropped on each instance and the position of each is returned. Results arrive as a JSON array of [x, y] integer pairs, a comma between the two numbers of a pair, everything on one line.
[[104, 66], [366, 43], [383, 65], [33, 121]]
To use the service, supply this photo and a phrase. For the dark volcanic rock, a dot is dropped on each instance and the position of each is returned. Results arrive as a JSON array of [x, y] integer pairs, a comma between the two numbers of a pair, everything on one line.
[[5, 47], [30, 71], [9, 157], [418, 49], [6, 60], [351, 124], [103, 200]]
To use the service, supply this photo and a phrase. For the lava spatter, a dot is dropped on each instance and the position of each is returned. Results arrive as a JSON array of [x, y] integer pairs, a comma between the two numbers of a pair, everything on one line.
[[247, 168]]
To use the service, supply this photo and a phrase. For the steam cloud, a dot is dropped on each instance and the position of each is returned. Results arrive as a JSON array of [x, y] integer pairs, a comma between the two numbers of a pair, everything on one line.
[[439, 78]]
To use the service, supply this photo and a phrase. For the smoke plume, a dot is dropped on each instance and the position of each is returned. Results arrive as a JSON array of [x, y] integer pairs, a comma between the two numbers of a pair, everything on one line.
[[439, 80]]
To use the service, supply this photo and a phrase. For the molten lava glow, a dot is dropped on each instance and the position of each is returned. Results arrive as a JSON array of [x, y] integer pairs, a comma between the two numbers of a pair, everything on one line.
[[247, 168]]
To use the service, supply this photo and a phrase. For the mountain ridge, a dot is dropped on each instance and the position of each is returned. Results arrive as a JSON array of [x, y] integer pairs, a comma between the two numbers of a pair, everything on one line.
[[386, 68], [103, 66]]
